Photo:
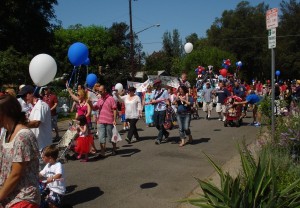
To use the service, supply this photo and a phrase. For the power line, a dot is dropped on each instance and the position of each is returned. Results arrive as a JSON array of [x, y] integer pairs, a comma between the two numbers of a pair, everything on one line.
[[278, 36]]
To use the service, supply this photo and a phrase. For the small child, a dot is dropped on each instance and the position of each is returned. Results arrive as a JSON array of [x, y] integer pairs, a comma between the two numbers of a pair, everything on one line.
[[54, 173], [85, 141]]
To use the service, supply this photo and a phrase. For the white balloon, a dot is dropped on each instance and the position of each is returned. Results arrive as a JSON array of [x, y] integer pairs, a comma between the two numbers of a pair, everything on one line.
[[42, 69], [188, 47], [119, 87]]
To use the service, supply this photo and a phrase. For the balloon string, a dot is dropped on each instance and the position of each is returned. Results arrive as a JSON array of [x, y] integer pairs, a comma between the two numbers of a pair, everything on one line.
[[72, 75], [77, 78]]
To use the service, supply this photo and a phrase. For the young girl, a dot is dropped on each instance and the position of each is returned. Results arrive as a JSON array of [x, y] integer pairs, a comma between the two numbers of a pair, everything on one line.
[[85, 141]]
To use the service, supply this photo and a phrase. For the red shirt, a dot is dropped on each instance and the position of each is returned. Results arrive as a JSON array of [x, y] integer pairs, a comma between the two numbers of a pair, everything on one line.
[[51, 99]]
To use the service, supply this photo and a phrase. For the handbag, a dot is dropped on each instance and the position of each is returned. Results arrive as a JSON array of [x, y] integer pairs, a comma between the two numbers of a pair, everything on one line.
[[116, 137], [168, 124]]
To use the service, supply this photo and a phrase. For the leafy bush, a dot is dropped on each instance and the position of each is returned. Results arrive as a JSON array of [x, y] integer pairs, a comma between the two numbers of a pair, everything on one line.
[[257, 186]]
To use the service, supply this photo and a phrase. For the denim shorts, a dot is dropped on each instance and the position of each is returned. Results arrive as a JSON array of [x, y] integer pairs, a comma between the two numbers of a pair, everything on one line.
[[104, 132]]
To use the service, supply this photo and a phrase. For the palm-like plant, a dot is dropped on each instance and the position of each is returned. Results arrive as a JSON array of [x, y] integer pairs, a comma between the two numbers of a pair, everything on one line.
[[255, 186]]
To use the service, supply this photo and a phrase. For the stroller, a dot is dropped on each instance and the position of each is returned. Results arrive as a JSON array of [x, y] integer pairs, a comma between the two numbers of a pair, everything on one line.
[[233, 112], [67, 143]]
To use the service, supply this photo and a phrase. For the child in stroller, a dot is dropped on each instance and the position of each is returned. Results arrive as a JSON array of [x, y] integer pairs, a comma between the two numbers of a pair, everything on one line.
[[233, 112]]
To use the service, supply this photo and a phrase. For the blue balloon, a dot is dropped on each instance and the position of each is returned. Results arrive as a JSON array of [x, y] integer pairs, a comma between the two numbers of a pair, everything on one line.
[[78, 53], [91, 80], [87, 62], [239, 63], [277, 73]]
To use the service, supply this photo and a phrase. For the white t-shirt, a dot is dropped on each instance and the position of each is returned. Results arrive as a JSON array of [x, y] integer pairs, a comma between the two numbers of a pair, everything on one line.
[[41, 112], [57, 186], [132, 107]]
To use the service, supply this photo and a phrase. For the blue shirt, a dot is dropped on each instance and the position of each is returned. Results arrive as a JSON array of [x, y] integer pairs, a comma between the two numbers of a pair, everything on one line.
[[160, 106], [252, 98]]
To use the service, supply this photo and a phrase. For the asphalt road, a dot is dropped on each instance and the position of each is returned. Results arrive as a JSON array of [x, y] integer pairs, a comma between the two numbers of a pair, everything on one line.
[[146, 175]]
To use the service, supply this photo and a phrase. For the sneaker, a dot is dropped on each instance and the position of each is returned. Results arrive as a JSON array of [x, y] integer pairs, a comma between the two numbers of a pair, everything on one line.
[[127, 140], [133, 139], [224, 118], [114, 153], [157, 142], [124, 128]]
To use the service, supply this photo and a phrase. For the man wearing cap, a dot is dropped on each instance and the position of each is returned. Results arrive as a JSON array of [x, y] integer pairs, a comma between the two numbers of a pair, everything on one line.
[[25, 106], [160, 97], [40, 116], [51, 99]]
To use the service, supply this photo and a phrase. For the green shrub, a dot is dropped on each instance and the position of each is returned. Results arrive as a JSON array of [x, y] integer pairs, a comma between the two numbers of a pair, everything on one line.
[[257, 186]]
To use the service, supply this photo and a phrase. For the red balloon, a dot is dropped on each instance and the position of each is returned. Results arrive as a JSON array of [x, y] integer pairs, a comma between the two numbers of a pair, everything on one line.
[[223, 72], [268, 81]]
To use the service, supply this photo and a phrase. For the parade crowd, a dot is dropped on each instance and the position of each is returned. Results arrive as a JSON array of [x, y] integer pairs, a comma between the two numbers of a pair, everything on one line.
[[29, 117]]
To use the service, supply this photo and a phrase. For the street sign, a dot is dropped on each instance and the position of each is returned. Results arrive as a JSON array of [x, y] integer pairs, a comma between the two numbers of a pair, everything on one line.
[[272, 42], [272, 38], [272, 32], [272, 18]]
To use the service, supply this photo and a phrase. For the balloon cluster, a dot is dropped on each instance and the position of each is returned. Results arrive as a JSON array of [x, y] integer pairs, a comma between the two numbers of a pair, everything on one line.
[[78, 54], [200, 70], [226, 63]]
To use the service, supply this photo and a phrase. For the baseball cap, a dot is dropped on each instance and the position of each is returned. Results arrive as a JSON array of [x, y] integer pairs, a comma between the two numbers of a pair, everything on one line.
[[25, 90]]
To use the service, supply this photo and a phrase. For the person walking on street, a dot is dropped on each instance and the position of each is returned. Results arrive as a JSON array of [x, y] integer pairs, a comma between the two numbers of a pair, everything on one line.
[[183, 114], [133, 111], [107, 116], [51, 99], [19, 163], [39, 118], [222, 94], [149, 108], [159, 100], [207, 100]]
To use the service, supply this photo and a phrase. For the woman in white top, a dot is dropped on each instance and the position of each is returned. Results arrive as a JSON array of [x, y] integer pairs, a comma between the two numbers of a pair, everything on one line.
[[133, 111]]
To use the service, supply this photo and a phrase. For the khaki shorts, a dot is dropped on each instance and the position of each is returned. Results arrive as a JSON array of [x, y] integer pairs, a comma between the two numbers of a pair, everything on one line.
[[220, 108], [207, 106]]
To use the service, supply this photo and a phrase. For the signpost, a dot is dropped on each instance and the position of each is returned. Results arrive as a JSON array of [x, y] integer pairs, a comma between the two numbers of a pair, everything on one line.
[[272, 23]]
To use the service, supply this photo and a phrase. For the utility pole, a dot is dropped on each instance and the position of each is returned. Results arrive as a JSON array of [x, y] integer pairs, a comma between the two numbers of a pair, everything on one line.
[[131, 44]]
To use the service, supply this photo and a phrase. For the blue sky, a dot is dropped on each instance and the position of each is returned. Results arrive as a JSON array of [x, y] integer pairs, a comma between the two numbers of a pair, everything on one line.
[[188, 16]]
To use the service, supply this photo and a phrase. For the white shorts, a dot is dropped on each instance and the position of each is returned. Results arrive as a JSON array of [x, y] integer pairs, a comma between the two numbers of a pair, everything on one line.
[[220, 108], [207, 106]]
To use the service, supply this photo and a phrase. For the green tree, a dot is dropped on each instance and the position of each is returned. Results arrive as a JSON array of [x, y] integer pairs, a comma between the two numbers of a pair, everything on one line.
[[26, 25], [288, 42], [13, 61], [243, 32]]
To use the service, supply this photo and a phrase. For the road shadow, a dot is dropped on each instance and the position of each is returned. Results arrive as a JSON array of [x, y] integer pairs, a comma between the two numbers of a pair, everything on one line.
[[128, 152], [82, 196], [198, 141], [143, 138], [70, 189], [148, 185]]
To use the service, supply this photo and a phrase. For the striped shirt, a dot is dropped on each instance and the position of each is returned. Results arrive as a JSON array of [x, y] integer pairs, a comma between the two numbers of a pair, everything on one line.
[[106, 107]]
